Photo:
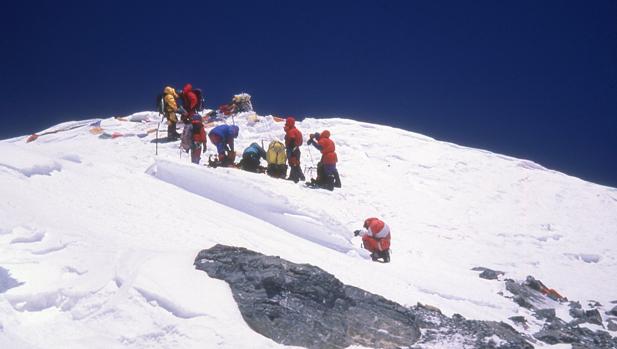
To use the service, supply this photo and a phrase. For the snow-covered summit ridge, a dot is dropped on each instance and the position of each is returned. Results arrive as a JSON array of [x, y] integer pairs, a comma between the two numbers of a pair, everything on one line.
[[100, 234]]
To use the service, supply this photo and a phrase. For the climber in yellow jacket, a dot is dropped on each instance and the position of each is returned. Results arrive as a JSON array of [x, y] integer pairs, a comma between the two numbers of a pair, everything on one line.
[[171, 107]]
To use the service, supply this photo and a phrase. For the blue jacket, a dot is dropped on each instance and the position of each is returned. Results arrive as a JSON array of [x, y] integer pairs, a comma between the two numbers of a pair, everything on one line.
[[254, 151], [224, 135]]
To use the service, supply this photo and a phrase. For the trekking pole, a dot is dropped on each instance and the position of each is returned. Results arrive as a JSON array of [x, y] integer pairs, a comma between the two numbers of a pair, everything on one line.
[[311, 155], [156, 152]]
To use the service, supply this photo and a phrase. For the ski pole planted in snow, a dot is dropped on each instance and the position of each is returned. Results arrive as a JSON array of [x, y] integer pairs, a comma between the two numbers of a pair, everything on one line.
[[156, 152], [311, 155]]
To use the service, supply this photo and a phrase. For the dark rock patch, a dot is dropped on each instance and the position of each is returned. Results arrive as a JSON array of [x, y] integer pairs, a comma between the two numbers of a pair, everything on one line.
[[532, 294], [300, 304], [523, 295], [580, 337], [478, 334], [581, 316], [547, 314], [612, 312], [593, 317], [518, 319], [612, 325], [576, 310], [539, 286], [488, 274]]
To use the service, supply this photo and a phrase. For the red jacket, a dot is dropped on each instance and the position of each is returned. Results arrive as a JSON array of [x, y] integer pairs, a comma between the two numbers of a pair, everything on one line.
[[376, 235], [293, 137], [328, 154], [199, 131], [376, 228], [190, 99]]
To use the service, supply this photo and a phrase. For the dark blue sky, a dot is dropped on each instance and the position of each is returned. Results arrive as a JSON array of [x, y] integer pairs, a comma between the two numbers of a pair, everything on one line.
[[531, 79]]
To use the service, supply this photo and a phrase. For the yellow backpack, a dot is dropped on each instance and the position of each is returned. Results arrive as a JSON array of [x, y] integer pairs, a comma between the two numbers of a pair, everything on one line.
[[276, 154]]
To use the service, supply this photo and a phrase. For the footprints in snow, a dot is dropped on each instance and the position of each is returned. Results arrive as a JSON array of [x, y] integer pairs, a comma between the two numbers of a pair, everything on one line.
[[23, 242], [585, 257], [548, 235], [28, 162], [26, 236], [61, 287], [42, 242]]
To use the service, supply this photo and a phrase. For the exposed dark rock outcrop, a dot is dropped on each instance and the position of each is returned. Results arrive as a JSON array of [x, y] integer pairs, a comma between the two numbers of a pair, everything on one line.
[[581, 316], [612, 325], [593, 317], [533, 295], [520, 320], [300, 304], [524, 296], [560, 332], [488, 274], [547, 314]]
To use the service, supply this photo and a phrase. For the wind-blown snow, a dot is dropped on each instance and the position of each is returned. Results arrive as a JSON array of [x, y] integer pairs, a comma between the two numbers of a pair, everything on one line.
[[99, 234], [304, 217], [25, 162]]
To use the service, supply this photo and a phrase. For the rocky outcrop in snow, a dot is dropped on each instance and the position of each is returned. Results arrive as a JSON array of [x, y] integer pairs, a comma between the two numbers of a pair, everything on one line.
[[542, 302], [300, 304]]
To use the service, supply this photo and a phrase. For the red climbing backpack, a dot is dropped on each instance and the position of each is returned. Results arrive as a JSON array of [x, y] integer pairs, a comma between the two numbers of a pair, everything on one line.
[[198, 129]]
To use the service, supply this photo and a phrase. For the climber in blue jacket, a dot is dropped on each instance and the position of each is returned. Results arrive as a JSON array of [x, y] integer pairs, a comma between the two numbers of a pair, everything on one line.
[[223, 138], [251, 158]]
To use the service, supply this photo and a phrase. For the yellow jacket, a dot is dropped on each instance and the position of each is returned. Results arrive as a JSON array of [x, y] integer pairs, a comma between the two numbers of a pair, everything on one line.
[[170, 99]]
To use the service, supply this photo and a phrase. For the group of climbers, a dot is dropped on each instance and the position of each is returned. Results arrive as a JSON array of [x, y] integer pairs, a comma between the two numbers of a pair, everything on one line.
[[375, 233], [193, 138]]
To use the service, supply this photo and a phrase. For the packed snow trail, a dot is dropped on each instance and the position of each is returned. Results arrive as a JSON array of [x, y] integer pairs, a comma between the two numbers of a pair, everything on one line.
[[98, 236]]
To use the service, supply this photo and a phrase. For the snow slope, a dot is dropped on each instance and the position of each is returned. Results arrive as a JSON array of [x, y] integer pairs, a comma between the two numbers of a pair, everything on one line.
[[98, 235]]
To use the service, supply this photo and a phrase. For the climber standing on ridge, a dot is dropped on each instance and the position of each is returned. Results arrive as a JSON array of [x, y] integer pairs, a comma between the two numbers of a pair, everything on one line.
[[293, 141], [194, 138], [198, 132], [326, 146], [375, 238], [189, 101], [171, 107], [223, 137]]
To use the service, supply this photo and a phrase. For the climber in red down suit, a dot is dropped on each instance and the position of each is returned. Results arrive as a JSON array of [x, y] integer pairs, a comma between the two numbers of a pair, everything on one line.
[[376, 238]]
